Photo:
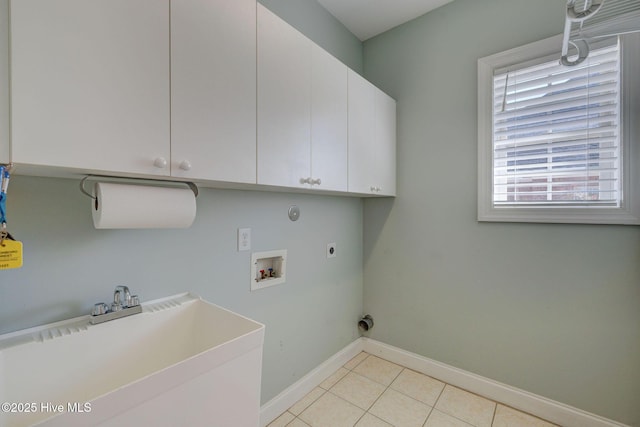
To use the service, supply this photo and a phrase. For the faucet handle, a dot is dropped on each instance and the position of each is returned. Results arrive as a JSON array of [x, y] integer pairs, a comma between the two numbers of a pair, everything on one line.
[[99, 309], [134, 301]]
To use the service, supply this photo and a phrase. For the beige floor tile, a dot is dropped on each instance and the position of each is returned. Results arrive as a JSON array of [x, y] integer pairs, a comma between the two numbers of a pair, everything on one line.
[[297, 423], [466, 406], [334, 378], [343, 398], [419, 386], [356, 360], [440, 419], [379, 370], [304, 403], [282, 420], [359, 390], [508, 417], [369, 420], [400, 410], [331, 411]]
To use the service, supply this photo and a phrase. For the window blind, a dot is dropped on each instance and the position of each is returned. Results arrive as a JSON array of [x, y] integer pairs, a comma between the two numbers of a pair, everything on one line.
[[556, 133]]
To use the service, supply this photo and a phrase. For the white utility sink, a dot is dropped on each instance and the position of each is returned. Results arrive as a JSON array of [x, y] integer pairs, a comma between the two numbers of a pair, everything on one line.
[[182, 361]]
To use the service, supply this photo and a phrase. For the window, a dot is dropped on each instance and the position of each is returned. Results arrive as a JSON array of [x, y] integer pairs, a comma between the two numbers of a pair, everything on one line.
[[556, 143]]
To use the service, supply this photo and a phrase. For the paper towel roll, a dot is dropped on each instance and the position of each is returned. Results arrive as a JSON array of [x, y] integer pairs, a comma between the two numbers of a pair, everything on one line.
[[136, 206]]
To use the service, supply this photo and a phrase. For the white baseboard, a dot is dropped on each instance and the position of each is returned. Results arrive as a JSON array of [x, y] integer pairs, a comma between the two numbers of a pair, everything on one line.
[[539, 406], [283, 401]]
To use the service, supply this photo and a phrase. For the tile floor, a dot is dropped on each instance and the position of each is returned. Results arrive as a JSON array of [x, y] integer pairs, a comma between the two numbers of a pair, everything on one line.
[[371, 392]]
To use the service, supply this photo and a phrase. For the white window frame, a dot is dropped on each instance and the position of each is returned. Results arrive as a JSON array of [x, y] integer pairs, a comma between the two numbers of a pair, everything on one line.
[[629, 211]]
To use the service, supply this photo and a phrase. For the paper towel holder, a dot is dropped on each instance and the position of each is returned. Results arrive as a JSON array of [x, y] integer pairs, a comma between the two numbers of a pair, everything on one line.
[[191, 185]]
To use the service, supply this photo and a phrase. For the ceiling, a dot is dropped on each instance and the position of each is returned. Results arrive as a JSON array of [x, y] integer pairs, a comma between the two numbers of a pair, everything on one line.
[[368, 18]]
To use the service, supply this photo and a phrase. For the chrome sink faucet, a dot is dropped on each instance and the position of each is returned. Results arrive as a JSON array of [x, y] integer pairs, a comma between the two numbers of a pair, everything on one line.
[[124, 304], [118, 304]]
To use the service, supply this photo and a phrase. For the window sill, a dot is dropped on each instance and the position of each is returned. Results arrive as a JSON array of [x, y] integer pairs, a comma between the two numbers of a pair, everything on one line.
[[559, 215]]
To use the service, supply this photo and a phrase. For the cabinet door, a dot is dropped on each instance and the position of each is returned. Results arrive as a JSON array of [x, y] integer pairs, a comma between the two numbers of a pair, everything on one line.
[[385, 148], [213, 90], [328, 121], [90, 84], [284, 102], [361, 134], [372, 139]]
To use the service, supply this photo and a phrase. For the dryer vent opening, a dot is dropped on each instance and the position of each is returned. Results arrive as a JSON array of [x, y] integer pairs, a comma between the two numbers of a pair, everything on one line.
[[366, 323]]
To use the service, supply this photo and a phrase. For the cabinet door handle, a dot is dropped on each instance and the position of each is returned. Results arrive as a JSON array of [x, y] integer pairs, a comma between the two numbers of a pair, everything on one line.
[[316, 181], [305, 180], [185, 165], [160, 162]]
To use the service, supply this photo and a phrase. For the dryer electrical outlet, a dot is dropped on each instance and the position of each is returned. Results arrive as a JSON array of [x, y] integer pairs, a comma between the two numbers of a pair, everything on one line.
[[331, 250]]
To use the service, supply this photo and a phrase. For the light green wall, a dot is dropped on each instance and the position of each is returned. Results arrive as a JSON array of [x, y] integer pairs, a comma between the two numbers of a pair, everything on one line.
[[311, 19], [551, 309], [4, 81], [69, 266]]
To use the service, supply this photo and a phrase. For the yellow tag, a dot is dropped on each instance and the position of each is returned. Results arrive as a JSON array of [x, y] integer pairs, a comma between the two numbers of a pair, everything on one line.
[[10, 254]]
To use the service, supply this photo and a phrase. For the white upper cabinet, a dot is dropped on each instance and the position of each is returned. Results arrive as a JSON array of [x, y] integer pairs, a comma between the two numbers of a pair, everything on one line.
[[90, 84], [302, 110], [328, 122], [372, 139], [284, 102], [213, 90], [361, 134], [385, 144]]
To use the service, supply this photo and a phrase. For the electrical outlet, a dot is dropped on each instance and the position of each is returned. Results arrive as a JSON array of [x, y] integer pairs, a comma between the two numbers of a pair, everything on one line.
[[244, 239], [331, 250]]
